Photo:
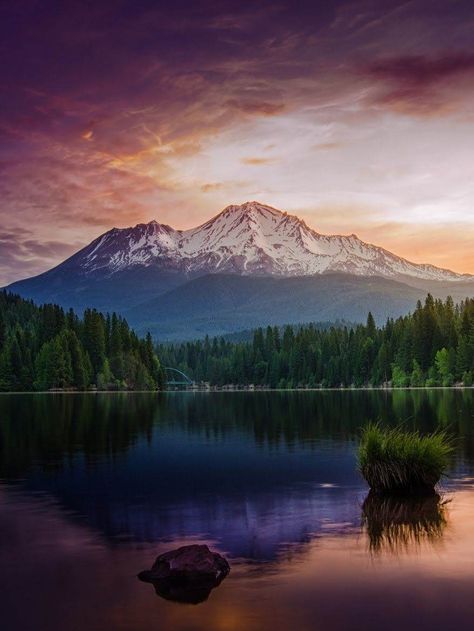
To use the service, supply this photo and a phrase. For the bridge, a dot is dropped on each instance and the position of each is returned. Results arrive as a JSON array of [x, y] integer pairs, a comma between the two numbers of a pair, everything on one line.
[[178, 378]]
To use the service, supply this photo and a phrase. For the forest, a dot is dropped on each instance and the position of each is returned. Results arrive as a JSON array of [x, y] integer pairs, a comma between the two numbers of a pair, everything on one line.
[[44, 348], [433, 346]]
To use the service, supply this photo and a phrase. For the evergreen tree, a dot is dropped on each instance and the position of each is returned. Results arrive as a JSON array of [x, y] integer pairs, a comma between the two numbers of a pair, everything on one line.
[[3, 332], [42, 348], [402, 352], [94, 338]]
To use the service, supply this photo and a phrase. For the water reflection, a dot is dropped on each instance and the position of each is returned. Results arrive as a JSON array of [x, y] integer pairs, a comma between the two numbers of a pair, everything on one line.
[[93, 486], [401, 524], [250, 471], [184, 594], [49, 430], [76, 580], [189, 593]]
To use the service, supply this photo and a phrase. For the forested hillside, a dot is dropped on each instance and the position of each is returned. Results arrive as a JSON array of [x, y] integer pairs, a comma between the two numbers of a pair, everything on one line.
[[43, 348], [433, 346]]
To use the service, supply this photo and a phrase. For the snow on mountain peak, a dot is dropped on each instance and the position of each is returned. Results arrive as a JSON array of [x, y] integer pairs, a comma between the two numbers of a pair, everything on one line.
[[251, 238]]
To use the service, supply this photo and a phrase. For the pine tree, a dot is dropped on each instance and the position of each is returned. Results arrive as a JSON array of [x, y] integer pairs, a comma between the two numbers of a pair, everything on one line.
[[94, 338], [81, 370], [42, 348], [3, 332], [370, 326]]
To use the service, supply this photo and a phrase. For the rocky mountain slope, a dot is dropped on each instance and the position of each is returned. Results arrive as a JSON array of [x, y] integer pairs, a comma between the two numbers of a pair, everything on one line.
[[249, 239], [250, 265]]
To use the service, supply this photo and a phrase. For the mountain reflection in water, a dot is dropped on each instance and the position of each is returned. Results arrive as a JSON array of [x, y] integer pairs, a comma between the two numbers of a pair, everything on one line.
[[93, 487]]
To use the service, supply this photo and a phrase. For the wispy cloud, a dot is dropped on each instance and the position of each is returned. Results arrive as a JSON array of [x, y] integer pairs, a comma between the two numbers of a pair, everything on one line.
[[256, 108], [257, 161], [122, 112], [22, 256], [422, 85]]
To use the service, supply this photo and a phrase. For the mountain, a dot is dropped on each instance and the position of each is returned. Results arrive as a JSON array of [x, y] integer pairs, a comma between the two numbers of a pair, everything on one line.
[[218, 304], [145, 271], [256, 239], [249, 239]]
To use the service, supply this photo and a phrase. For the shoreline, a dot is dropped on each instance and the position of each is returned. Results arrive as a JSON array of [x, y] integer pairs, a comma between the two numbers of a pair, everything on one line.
[[213, 390]]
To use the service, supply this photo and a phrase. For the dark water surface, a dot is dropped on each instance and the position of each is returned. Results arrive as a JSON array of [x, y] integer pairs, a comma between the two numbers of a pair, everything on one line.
[[93, 487]]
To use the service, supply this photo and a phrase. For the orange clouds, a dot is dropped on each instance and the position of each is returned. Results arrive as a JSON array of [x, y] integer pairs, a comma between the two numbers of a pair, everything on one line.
[[112, 117], [255, 161], [207, 188]]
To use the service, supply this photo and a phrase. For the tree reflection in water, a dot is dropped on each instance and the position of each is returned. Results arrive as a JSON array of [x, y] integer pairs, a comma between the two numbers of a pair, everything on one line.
[[396, 524]]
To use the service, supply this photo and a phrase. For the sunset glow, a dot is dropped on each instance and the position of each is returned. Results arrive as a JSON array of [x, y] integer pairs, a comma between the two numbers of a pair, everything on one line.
[[356, 116]]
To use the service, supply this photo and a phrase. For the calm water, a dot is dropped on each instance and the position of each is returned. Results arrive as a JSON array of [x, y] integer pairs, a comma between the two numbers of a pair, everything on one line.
[[93, 487]]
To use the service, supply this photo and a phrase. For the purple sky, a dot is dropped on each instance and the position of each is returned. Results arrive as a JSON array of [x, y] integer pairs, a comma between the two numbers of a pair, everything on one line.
[[357, 116]]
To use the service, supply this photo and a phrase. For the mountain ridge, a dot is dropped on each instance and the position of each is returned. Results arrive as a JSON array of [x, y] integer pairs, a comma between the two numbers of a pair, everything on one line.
[[251, 238], [249, 265]]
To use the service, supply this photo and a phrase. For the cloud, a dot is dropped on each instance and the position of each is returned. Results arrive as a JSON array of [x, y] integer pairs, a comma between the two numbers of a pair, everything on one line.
[[255, 161], [151, 111], [21, 256], [420, 84], [258, 108], [327, 146], [212, 186], [421, 71]]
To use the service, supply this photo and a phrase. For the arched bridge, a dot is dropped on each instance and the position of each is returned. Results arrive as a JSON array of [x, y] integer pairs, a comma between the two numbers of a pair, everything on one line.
[[175, 377]]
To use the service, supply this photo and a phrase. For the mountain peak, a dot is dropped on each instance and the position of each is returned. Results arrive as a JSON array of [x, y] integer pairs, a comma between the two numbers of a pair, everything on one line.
[[250, 238], [250, 208], [252, 205]]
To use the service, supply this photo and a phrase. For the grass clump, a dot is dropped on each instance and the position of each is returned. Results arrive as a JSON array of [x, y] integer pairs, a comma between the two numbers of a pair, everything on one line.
[[394, 461]]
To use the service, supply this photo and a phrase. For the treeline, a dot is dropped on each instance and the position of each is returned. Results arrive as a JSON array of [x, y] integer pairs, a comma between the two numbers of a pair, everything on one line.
[[43, 348], [434, 346]]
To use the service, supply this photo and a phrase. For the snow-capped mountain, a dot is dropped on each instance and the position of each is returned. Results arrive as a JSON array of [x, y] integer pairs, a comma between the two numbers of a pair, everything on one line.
[[249, 239], [249, 266]]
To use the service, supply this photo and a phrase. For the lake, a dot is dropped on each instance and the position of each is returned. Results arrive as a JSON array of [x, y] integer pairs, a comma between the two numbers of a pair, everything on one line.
[[94, 486]]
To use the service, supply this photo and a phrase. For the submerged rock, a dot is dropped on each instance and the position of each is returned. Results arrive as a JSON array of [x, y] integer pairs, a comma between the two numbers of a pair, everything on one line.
[[187, 574]]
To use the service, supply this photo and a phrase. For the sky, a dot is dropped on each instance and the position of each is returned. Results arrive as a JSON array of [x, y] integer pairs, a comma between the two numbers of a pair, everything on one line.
[[355, 115]]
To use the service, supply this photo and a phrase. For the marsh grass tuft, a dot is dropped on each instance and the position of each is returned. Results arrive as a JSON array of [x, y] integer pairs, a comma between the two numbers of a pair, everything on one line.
[[394, 461]]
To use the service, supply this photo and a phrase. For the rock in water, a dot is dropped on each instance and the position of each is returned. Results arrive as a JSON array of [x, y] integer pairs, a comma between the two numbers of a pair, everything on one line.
[[187, 574], [189, 562]]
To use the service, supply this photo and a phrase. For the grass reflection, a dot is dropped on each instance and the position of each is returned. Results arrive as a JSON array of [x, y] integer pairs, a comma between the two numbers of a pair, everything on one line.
[[398, 525]]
